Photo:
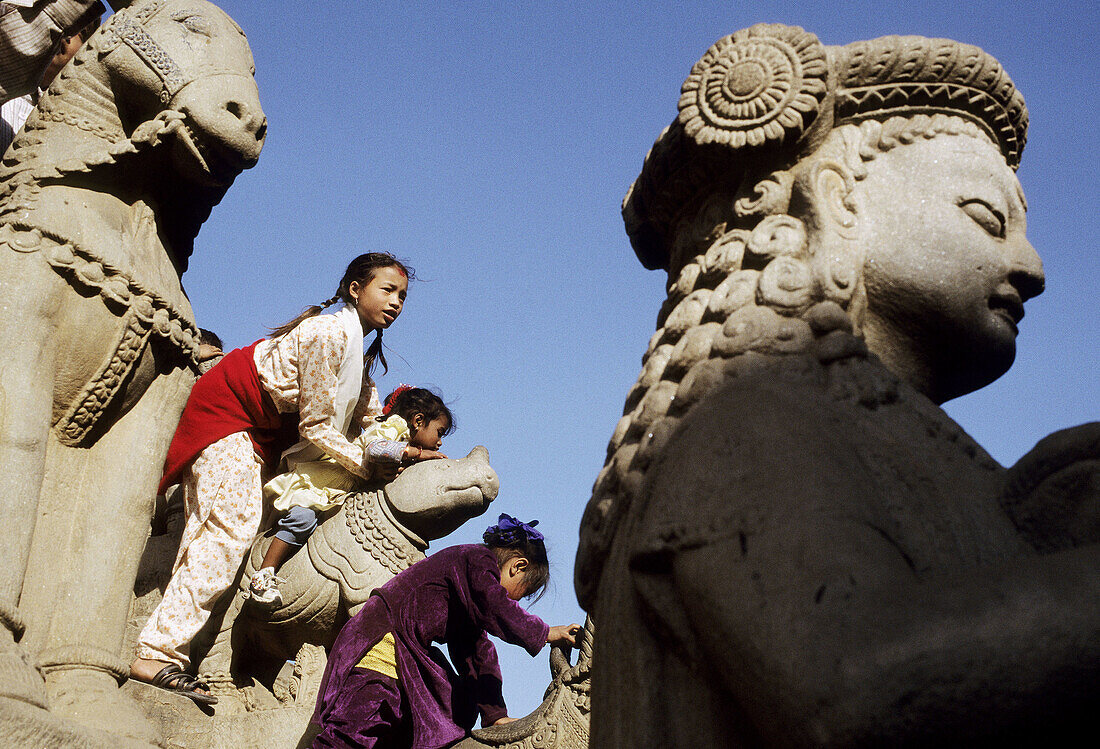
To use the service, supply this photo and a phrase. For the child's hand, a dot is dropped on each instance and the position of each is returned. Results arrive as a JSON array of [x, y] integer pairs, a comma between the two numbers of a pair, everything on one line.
[[502, 721], [414, 454], [387, 472], [563, 634]]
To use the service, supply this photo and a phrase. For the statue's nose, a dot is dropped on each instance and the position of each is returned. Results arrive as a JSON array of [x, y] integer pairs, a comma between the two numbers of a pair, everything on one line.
[[251, 118], [1025, 268], [225, 110], [490, 484]]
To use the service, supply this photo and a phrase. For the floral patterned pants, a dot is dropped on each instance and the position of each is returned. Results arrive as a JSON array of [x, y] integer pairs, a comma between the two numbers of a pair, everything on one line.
[[223, 502]]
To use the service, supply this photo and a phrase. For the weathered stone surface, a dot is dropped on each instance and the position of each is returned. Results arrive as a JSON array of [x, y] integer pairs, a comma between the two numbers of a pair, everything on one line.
[[100, 201], [791, 544], [561, 721]]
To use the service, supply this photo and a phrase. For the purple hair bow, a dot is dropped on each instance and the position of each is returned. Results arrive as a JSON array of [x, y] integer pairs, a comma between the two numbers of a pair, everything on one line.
[[511, 530]]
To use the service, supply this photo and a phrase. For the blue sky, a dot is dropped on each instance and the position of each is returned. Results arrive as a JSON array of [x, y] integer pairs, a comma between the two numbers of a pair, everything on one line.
[[490, 145]]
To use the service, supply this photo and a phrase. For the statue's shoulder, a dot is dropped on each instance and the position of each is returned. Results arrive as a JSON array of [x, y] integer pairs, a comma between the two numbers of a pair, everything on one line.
[[794, 440], [1052, 493]]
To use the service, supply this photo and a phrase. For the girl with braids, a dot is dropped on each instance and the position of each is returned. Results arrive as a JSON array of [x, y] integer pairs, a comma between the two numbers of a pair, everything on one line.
[[411, 428], [293, 396], [386, 685]]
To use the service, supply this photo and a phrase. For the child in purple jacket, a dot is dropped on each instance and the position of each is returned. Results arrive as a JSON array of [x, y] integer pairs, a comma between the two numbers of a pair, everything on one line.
[[386, 685]]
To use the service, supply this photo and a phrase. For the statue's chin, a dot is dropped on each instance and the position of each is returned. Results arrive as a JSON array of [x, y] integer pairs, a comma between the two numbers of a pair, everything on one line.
[[470, 502], [977, 367]]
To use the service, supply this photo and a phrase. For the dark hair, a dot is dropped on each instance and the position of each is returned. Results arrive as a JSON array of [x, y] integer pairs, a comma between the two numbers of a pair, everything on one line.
[[360, 269], [407, 402], [87, 22], [210, 338], [538, 569], [86, 31]]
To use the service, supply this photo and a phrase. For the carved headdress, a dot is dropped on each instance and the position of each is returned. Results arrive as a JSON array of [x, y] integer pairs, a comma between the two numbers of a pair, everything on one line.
[[713, 207], [768, 95]]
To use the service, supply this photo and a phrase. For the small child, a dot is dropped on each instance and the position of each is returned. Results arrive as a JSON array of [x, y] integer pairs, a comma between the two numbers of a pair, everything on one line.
[[385, 684], [412, 426]]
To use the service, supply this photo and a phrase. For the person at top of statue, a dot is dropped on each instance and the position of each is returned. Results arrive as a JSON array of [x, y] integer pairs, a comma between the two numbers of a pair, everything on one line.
[[14, 112], [32, 32], [386, 685]]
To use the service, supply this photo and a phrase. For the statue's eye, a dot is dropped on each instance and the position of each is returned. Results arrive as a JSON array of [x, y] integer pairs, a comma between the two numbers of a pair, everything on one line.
[[985, 216], [192, 21]]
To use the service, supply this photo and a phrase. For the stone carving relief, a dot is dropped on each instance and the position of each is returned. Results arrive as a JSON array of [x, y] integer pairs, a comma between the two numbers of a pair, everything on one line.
[[790, 543], [561, 721], [100, 201]]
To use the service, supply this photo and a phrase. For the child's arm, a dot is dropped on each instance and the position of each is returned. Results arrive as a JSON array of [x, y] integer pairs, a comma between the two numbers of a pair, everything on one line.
[[321, 347], [383, 448], [367, 408], [563, 634], [492, 610]]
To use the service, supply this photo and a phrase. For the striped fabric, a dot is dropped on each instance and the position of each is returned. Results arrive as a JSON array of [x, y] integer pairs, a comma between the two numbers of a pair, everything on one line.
[[29, 33], [12, 116]]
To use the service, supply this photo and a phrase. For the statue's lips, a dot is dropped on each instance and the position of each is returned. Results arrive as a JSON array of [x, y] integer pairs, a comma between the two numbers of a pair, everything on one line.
[[1009, 306], [469, 495], [222, 164]]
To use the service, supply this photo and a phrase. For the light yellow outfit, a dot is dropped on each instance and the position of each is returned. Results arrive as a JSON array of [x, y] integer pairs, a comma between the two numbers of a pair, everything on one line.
[[316, 370], [323, 484], [382, 657]]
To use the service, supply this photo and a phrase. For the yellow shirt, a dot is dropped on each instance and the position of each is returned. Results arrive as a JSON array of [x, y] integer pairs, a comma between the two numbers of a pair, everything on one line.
[[324, 484]]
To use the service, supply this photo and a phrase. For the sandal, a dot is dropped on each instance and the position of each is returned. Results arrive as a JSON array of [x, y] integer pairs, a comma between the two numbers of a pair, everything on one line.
[[172, 678]]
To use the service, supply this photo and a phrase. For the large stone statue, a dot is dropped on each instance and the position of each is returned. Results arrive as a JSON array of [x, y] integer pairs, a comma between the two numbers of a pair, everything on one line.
[[791, 544], [101, 197]]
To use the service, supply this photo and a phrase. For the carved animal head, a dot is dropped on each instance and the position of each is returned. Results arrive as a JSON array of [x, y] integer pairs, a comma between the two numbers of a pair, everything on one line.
[[188, 58], [376, 534], [435, 497]]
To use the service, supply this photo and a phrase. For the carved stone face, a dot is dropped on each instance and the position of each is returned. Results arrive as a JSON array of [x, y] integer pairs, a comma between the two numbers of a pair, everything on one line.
[[947, 265], [434, 497], [193, 51]]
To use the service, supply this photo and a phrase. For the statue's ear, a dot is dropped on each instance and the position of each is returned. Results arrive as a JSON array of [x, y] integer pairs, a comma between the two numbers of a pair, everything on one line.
[[826, 190]]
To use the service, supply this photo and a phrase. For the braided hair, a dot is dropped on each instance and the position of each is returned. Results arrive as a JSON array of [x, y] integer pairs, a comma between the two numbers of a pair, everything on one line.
[[361, 269], [509, 539]]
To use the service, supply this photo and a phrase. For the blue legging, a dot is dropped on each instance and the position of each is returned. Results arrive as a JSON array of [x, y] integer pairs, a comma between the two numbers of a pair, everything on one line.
[[296, 526]]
